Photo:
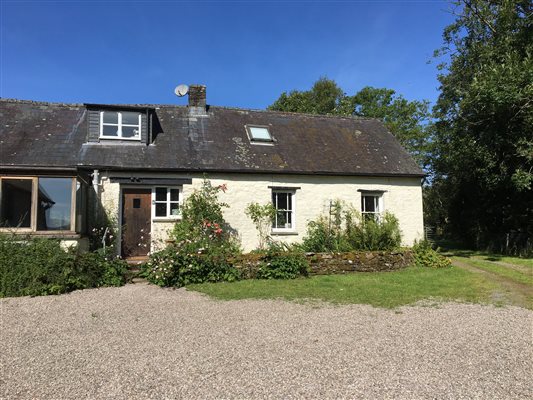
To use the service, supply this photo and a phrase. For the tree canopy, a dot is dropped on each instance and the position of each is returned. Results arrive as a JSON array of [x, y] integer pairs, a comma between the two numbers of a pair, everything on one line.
[[483, 150], [477, 144], [407, 120]]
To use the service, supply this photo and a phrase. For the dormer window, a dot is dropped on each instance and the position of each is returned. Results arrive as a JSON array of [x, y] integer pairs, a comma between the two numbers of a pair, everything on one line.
[[259, 134], [124, 125]]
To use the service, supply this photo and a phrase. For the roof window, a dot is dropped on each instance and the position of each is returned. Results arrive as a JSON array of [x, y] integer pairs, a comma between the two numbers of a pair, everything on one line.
[[258, 133]]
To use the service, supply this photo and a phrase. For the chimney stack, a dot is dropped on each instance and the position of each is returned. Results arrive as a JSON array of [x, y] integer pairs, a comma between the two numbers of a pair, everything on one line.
[[197, 100]]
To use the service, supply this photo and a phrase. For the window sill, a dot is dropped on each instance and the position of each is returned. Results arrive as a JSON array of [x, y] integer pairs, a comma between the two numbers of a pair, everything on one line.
[[43, 234], [163, 219], [283, 233], [137, 139]]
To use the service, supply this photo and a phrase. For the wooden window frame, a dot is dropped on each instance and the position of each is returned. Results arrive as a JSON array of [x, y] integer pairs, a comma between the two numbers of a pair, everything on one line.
[[119, 125], [34, 201]]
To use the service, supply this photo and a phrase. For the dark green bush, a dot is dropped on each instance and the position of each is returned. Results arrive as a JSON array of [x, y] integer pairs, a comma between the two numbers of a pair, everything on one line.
[[344, 230], [107, 270], [323, 237], [34, 267], [174, 267], [287, 265], [372, 235], [426, 256]]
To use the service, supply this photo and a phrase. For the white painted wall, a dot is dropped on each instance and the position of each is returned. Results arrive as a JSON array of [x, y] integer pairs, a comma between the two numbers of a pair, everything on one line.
[[403, 197]]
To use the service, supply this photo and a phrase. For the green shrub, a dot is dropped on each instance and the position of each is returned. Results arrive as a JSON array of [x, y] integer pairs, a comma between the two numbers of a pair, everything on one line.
[[262, 216], [204, 243], [373, 235], [426, 256], [288, 265], [344, 230], [202, 226], [322, 237], [34, 267], [107, 270], [174, 267]]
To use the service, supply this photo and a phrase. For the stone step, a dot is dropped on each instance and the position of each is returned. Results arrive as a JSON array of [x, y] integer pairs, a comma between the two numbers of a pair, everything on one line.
[[139, 281]]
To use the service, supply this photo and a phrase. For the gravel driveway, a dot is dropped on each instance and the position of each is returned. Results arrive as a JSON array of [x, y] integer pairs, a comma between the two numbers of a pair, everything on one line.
[[140, 341]]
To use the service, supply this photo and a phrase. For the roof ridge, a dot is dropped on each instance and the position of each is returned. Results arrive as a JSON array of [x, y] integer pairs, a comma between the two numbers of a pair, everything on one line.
[[355, 117], [63, 104], [38, 102]]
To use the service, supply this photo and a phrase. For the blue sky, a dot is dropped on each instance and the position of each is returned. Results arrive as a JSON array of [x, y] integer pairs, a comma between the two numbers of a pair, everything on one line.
[[246, 52]]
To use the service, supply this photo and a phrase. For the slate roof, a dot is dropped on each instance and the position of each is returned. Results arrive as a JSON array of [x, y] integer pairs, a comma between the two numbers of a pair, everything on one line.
[[47, 135]]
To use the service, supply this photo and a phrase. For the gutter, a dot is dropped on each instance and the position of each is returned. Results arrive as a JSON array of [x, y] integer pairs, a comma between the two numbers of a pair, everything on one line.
[[207, 171], [255, 172]]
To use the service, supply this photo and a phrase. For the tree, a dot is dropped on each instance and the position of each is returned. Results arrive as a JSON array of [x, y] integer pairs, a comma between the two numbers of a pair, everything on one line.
[[323, 98], [483, 161], [407, 120]]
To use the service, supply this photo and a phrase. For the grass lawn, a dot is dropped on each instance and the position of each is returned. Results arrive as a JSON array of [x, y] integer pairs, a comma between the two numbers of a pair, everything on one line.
[[380, 289], [520, 276]]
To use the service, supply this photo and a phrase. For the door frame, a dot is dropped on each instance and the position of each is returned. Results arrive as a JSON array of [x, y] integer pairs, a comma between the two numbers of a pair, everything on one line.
[[120, 212]]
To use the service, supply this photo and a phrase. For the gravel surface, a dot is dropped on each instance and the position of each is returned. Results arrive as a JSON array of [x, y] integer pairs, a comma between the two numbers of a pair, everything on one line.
[[140, 341]]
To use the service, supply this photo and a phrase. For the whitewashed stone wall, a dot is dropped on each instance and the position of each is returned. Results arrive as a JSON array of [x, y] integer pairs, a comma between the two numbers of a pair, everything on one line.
[[402, 197]]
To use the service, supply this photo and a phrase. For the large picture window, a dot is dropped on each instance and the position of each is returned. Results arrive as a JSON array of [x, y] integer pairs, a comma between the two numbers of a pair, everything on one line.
[[54, 204], [37, 203], [283, 202], [124, 125], [16, 203]]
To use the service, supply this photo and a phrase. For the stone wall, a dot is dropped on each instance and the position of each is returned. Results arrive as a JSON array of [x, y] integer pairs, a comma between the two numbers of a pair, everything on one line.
[[371, 261], [337, 263]]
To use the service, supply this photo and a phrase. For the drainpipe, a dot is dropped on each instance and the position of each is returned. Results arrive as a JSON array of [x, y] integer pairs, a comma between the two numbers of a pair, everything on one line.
[[96, 181]]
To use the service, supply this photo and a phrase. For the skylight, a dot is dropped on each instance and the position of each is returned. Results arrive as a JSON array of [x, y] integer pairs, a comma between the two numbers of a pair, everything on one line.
[[258, 133]]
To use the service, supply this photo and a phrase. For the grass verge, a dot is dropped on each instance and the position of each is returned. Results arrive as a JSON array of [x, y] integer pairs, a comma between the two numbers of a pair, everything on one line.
[[379, 289]]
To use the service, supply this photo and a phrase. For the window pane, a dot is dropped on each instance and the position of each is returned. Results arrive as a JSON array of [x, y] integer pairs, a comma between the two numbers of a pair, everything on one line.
[[53, 204], [130, 131], [289, 219], [110, 117], [160, 194], [109, 130], [15, 210], [369, 204], [174, 194], [259, 133], [130, 118], [281, 219], [160, 209], [174, 209], [282, 201]]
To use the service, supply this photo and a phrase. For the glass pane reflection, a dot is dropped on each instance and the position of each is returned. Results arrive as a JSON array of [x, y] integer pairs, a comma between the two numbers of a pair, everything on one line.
[[54, 204]]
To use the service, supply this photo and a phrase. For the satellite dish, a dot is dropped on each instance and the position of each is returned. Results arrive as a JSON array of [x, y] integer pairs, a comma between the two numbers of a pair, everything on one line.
[[181, 90]]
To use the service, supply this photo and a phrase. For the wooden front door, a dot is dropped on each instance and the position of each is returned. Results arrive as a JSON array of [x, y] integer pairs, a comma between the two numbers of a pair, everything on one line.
[[136, 226]]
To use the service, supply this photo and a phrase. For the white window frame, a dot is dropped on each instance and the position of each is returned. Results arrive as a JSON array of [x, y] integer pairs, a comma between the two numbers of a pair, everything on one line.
[[378, 205], [168, 202], [264, 142], [292, 211], [119, 125]]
